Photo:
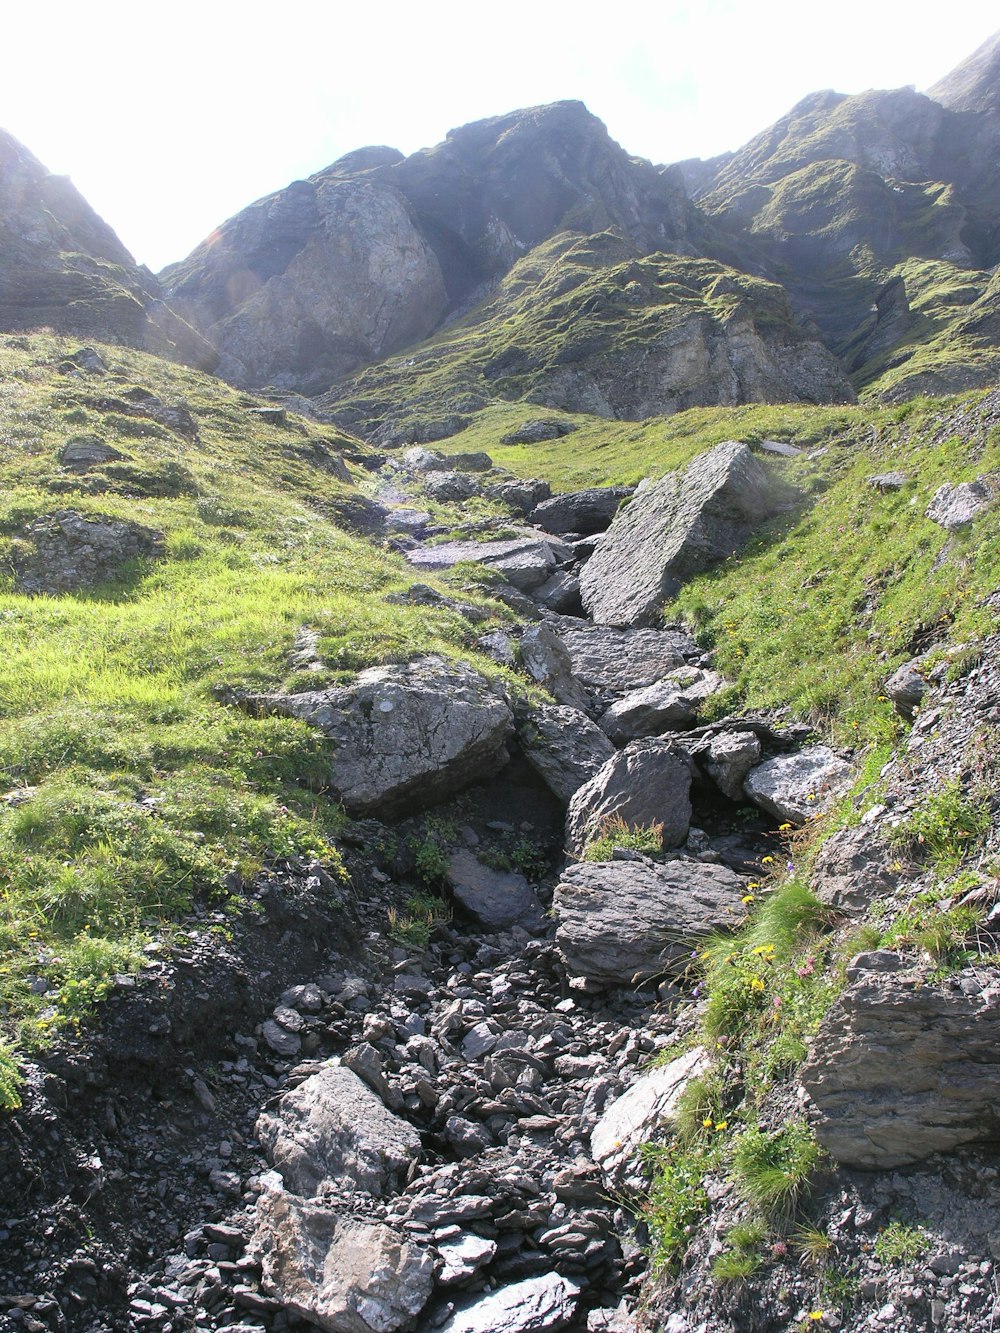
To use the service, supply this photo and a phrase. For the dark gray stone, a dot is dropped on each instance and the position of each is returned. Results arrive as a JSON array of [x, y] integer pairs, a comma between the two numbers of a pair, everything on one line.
[[65, 550], [497, 899], [582, 512], [564, 747], [648, 782], [534, 432], [670, 704]]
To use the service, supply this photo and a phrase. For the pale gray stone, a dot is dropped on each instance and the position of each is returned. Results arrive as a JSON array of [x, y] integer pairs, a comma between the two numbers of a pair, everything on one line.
[[649, 782], [904, 1066], [603, 656], [339, 1274], [564, 747], [674, 529], [955, 506], [545, 659], [332, 1126], [536, 1305], [796, 787], [729, 759], [852, 870], [622, 921], [526, 562], [670, 704], [463, 1256], [450, 486]]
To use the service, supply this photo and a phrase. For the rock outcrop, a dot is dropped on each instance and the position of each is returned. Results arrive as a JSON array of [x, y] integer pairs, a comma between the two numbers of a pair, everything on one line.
[[798, 787], [675, 528], [67, 550], [564, 747]]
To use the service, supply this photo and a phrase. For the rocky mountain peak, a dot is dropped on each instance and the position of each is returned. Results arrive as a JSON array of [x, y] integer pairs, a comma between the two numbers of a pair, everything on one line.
[[974, 85]]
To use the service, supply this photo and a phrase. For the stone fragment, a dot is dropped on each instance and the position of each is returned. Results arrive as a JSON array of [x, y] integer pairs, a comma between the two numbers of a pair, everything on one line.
[[526, 562], [887, 481], [332, 1126], [625, 659], [537, 1305], [497, 899], [582, 512], [730, 757], [907, 686], [280, 1040], [545, 659], [521, 494], [560, 593], [619, 921], [795, 787], [339, 1274], [674, 529], [564, 747], [463, 1256], [643, 1113], [852, 870], [404, 736], [450, 486], [904, 1066], [955, 506], [81, 452], [670, 704], [535, 431], [779, 448], [648, 782]]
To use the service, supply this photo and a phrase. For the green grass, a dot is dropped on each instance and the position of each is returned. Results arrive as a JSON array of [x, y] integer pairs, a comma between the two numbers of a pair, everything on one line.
[[415, 924], [945, 828], [132, 792], [615, 834], [773, 1170], [900, 1243]]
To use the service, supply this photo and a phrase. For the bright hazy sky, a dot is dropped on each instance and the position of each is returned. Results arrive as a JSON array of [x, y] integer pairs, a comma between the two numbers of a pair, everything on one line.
[[170, 118]]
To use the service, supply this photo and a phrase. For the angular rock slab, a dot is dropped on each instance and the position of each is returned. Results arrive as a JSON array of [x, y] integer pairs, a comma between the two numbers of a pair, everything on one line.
[[339, 1274], [795, 787], [496, 898], [584, 512], [564, 748], [730, 757], [526, 562], [537, 1305], [903, 1067], [674, 529], [852, 870], [647, 1109], [545, 659], [603, 656], [332, 1126], [671, 703], [404, 736], [649, 782], [955, 506], [620, 921]]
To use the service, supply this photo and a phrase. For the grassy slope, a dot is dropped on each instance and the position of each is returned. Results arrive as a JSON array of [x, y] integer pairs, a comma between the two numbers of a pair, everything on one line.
[[131, 792]]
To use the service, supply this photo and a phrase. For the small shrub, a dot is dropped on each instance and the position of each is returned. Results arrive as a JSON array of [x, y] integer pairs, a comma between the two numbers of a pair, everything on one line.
[[10, 1080], [614, 834], [415, 924], [773, 1170], [898, 1243], [677, 1200], [945, 828]]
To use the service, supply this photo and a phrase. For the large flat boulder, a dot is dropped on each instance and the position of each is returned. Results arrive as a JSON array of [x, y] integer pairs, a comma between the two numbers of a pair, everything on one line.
[[668, 705], [607, 657], [622, 921], [526, 562], [404, 736], [674, 529], [797, 787], [333, 1127], [542, 1304], [649, 782], [584, 512], [338, 1273], [564, 747], [904, 1066]]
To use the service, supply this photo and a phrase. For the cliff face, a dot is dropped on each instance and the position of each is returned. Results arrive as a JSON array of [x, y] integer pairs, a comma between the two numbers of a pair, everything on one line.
[[62, 267]]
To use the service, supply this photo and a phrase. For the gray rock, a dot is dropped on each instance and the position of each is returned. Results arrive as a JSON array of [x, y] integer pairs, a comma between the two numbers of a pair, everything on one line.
[[671, 703], [625, 920], [526, 562], [564, 747], [65, 550], [365, 1061], [625, 659], [537, 1305], [907, 686], [674, 529], [497, 899], [404, 736], [646, 783], [406, 519], [545, 659], [582, 512], [729, 758], [280, 1040], [534, 432], [887, 481], [645, 1112], [339, 1274], [463, 1256], [445, 486], [521, 494], [85, 451], [332, 1126], [467, 1138], [796, 787], [560, 593], [852, 870], [419, 459], [779, 448], [904, 1066], [954, 506], [474, 461]]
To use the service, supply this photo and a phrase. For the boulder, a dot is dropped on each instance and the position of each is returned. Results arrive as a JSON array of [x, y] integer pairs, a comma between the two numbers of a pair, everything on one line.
[[729, 758], [337, 1273], [564, 747], [445, 486], [65, 550], [887, 481], [526, 562], [604, 657], [521, 495], [86, 451], [419, 459], [404, 736], [497, 899], [545, 659], [643, 1113], [674, 529], [649, 782], [904, 1066], [534, 432], [907, 686], [537, 1305], [852, 870], [955, 506], [333, 1127], [626, 921], [583, 512], [462, 1256], [796, 787], [473, 461], [560, 593], [670, 704]]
